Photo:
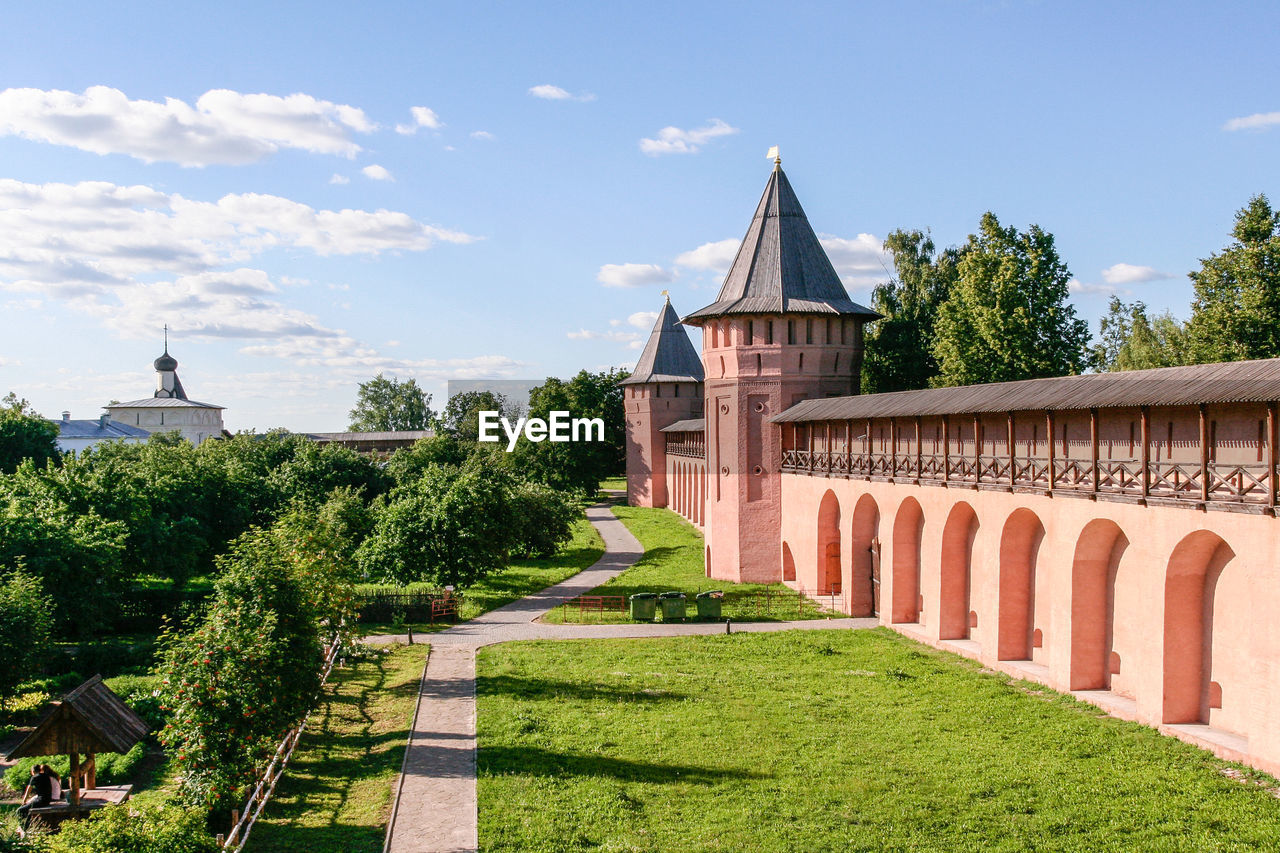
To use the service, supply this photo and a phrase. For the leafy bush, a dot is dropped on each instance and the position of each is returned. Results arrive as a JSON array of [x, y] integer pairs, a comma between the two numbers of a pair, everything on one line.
[[26, 618], [136, 827], [543, 519], [142, 693]]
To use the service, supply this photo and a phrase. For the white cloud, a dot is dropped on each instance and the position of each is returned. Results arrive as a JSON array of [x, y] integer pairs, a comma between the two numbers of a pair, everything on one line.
[[554, 93], [619, 337], [375, 172], [482, 134], [632, 275], [716, 257], [128, 255], [1131, 274], [222, 128], [673, 140], [1075, 285], [1257, 121], [643, 319], [422, 117], [861, 262], [339, 179]]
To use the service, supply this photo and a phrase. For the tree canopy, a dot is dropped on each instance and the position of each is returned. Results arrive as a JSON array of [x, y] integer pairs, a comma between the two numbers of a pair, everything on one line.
[[461, 415], [1236, 311], [897, 354], [24, 434], [385, 405], [1130, 340], [578, 464], [1007, 316]]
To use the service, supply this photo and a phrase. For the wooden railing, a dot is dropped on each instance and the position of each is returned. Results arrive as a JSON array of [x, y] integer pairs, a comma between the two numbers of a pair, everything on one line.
[[1229, 485]]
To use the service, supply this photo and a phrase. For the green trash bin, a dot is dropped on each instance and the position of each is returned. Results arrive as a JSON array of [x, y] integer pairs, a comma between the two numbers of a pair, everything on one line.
[[709, 604], [644, 606], [673, 606]]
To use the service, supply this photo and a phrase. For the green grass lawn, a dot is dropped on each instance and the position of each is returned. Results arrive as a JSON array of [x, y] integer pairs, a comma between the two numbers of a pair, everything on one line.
[[335, 796], [826, 741], [519, 579], [673, 561], [614, 483]]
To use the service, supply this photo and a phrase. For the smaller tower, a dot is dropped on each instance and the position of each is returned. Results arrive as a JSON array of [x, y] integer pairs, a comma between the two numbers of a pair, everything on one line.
[[167, 382], [665, 387]]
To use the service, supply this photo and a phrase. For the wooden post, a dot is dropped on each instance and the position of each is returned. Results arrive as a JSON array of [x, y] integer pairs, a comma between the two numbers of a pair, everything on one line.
[[893, 447], [1146, 452], [827, 460], [1011, 454], [848, 449], [1271, 456], [74, 773], [977, 450], [1093, 447], [946, 449], [1204, 455], [809, 431], [90, 772], [868, 448], [919, 444], [1048, 425]]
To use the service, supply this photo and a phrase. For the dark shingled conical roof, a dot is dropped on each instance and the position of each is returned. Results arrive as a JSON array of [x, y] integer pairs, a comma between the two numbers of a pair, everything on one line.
[[781, 267], [669, 356]]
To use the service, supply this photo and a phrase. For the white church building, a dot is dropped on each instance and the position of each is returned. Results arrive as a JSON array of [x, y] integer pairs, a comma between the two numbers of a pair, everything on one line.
[[169, 410]]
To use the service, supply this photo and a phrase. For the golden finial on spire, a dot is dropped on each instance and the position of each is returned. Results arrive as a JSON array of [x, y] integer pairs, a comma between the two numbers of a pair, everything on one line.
[[667, 294], [774, 156]]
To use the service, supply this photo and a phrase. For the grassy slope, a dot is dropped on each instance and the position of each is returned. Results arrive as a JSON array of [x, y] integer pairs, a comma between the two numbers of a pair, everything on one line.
[[673, 560], [827, 740], [336, 795]]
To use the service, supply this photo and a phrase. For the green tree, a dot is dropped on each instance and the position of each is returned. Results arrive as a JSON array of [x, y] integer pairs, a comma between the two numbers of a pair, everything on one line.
[[452, 526], [26, 620], [1007, 316], [897, 353], [577, 464], [461, 415], [77, 556], [407, 465], [384, 405], [236, 682], [1130, 340], [316, 470], [24, 434], [1236, 311], [543, 519]]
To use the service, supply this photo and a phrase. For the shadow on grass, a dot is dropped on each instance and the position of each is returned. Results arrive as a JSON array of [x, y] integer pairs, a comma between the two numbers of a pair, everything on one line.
[[534, 761], [542, 688]]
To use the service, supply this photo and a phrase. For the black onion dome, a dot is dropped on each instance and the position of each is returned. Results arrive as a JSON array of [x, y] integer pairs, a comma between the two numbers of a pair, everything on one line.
[[166, 362]]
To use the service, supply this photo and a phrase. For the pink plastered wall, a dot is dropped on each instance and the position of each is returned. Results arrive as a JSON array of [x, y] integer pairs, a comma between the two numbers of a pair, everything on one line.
[[1162, 614]]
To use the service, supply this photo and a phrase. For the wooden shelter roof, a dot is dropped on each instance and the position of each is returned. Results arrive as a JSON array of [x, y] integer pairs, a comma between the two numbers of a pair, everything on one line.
[[88, 719]]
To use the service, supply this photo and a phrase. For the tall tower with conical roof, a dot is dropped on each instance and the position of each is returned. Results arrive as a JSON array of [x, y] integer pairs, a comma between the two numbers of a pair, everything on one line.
[[782, 330], [665, 387]]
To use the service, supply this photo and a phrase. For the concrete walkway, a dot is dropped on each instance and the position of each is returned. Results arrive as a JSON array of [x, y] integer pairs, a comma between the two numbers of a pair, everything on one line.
[[435, 807]]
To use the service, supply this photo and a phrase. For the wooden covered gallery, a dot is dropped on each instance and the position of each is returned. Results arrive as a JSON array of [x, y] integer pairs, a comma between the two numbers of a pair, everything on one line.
[[1113, 535]]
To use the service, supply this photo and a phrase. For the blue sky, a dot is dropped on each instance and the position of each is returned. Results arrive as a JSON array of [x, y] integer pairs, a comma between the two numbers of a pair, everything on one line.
[[256, 175]]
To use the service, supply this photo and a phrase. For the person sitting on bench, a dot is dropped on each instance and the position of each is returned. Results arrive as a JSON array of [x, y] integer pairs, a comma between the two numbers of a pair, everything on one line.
[[41, 784]]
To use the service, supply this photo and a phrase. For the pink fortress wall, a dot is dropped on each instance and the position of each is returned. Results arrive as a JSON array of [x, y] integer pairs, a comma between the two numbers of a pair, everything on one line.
[[1161, 614]]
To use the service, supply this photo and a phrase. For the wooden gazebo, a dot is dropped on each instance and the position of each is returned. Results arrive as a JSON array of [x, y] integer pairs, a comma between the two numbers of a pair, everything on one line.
[[88, 720]]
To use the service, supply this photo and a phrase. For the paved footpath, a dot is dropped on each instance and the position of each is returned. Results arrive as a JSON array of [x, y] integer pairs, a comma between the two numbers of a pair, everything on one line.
[[435, 804]]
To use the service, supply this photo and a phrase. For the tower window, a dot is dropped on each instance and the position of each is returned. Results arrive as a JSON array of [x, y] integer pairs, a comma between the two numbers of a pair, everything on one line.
[[751, 332], [808, 330], [844, 332], [791, 331], [770, 332]]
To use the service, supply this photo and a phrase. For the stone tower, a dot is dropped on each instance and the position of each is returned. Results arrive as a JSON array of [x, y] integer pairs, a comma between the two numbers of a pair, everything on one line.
[[665, 387], [782, 330]]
